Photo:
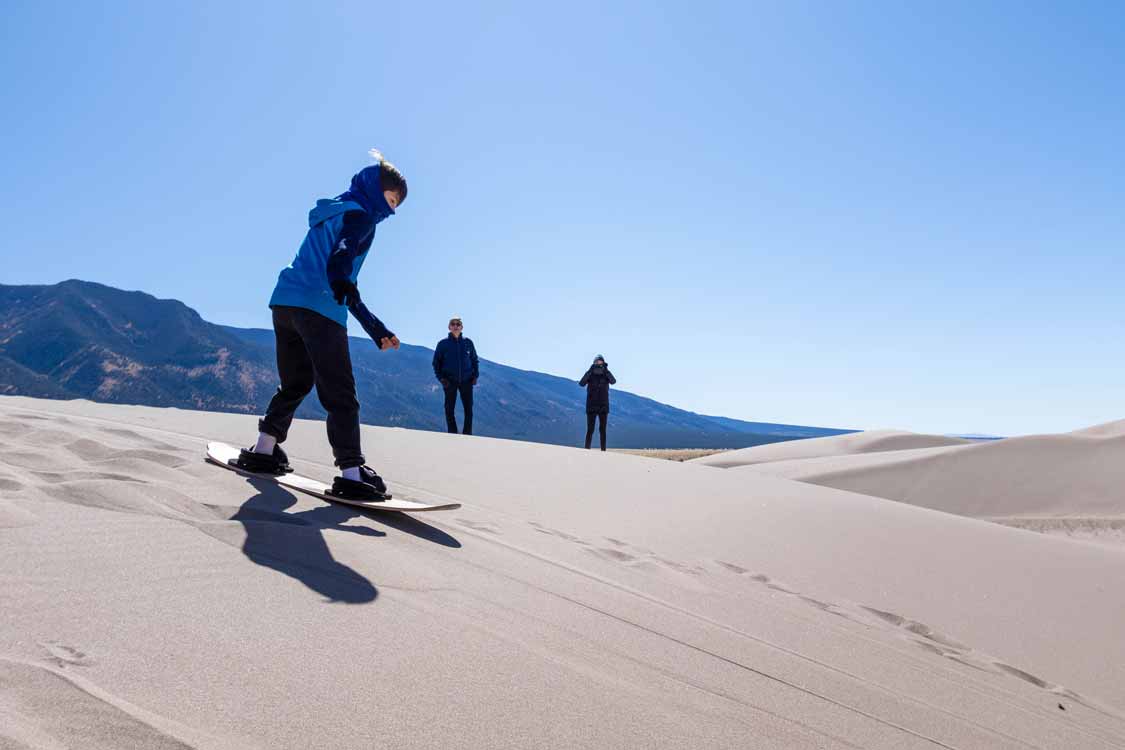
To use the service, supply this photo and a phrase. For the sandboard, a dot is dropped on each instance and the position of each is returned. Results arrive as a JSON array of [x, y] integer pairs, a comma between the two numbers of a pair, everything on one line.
[[224, 455]]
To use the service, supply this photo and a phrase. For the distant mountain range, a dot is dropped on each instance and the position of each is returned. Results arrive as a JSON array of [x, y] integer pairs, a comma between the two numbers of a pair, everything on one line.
[[79, 339]]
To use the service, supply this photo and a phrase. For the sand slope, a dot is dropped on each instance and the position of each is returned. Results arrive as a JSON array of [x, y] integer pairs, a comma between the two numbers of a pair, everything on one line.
[[578, 599], [870, 441]]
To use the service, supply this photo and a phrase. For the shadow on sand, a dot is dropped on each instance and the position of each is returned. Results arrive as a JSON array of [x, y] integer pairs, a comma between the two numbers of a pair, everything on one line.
[[294, 543]]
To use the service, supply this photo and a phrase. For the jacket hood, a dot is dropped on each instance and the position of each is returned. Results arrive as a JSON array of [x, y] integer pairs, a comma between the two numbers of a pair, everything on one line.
[[367, 191], [326, 208]]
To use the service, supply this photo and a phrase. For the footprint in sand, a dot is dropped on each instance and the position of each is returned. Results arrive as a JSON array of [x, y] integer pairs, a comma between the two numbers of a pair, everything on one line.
[[949, 648], [64, 655], [772, 584], [732, 567], [643, 559], [613, 554], [917, 628], [679, 567], [560, 534], [921, 635], [1025, 676], [888, 617], [622, 552], [484, 526]]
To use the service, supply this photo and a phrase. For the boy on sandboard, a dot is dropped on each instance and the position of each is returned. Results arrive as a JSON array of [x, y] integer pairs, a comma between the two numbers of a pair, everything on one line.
[[310, 307]]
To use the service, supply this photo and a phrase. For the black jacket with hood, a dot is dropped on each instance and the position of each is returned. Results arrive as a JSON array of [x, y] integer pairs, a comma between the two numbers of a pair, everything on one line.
[[597, 381]]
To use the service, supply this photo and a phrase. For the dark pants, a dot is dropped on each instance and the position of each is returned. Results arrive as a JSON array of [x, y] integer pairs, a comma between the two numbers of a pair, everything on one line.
[[466, 390], [601, 427], [313, 350]]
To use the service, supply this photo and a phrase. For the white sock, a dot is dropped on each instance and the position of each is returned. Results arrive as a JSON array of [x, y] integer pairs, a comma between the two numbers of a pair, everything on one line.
[[265, 444], [352, 474]]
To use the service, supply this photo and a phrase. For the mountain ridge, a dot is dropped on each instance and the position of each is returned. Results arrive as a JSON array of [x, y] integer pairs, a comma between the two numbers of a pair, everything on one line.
[[80, 339]]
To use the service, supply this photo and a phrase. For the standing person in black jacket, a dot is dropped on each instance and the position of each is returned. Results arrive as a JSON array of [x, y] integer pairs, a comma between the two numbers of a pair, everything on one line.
[[456, 368], [597, 381]]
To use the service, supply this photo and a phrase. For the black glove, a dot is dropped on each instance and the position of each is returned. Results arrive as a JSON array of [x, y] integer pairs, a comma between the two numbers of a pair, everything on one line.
[[345, 292], [444, 383]]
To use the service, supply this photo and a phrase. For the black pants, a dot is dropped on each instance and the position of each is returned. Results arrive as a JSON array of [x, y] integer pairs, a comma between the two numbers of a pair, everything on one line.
[[602, 418], [313, 350], [466, 390]]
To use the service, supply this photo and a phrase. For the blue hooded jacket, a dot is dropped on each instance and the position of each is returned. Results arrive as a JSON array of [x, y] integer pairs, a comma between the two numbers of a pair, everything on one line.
[[340, 234]]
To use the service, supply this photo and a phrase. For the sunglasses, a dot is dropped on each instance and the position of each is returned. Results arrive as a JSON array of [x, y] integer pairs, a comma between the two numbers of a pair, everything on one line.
[[456, 325]]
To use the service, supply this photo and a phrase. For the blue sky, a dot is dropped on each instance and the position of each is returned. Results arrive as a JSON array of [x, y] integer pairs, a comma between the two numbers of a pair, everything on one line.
[[840, 214]]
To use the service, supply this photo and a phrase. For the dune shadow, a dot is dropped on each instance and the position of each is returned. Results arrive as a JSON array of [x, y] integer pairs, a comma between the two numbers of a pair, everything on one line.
[[294, 543]]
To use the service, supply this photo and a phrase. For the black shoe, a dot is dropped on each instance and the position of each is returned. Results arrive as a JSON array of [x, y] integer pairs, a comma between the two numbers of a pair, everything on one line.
[[348, 489], [282, 459], [368, 476], [260, 463]]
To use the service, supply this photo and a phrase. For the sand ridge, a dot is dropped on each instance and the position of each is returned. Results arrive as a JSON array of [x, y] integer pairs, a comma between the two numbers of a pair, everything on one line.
[[870, 441], [1071, 484]]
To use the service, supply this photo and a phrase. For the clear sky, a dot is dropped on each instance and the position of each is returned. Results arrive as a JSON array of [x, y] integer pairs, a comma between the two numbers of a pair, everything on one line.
[[835, 213]]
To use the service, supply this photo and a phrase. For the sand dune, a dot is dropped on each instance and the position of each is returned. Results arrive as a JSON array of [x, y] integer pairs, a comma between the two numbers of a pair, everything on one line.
[[870, 441], [1108, 429], [577, 599], [1071, 484]]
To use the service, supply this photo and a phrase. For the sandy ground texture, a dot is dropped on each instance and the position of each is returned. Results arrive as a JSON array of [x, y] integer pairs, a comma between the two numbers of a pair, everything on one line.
[[871, 441], [1071, 484], [577, 599]]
